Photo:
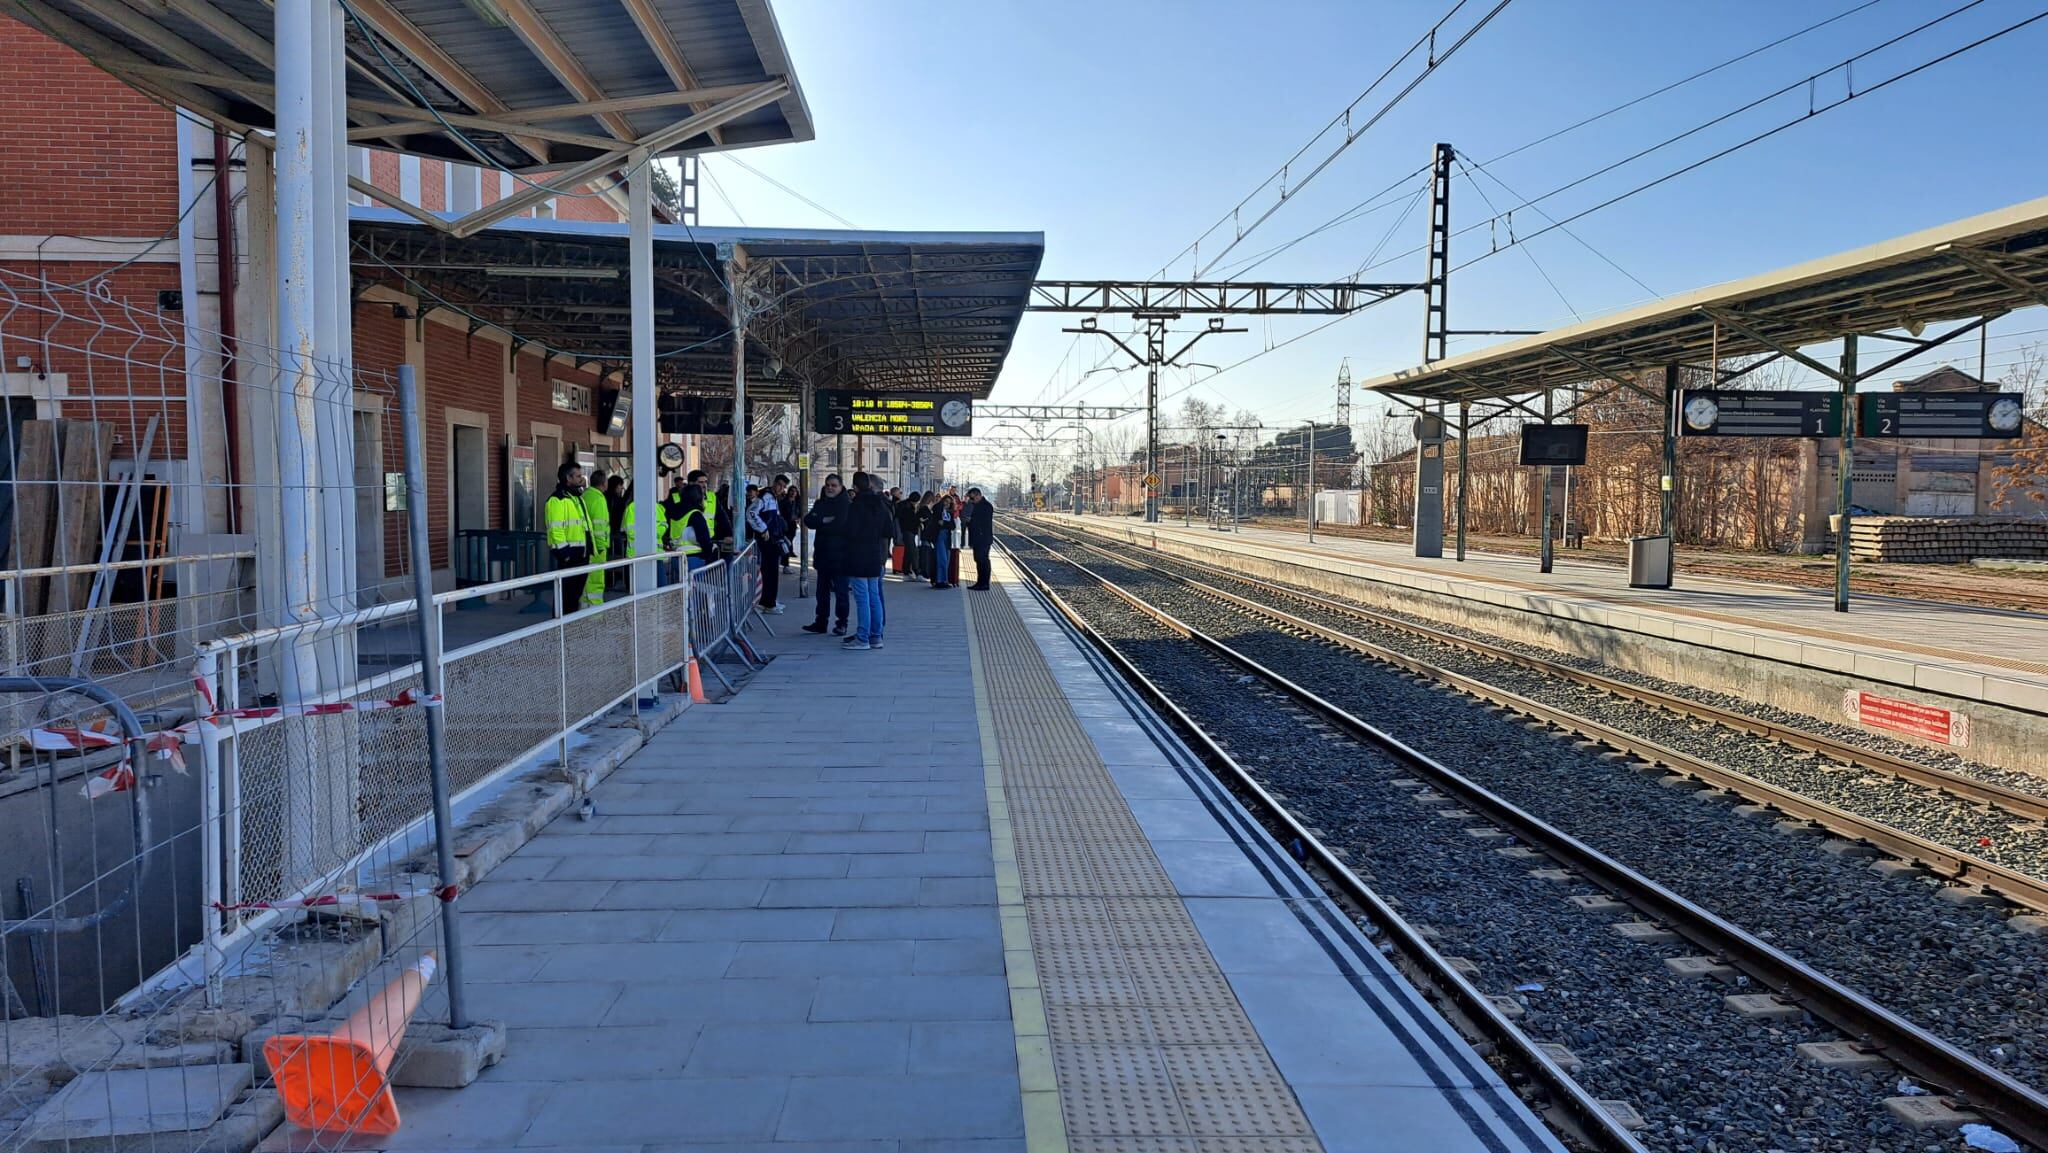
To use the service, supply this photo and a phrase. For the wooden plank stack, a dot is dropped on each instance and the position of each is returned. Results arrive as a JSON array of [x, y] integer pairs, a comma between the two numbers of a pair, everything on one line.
[[1945, 540]]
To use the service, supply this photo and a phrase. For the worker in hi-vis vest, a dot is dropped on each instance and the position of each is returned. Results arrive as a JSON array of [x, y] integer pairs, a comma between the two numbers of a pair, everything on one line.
[[597, 512], [568, 525], [663, 537], [710, 502]]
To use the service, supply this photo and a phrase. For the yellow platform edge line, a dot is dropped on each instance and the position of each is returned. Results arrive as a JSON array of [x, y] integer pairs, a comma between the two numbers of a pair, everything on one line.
[[1045, 1126]]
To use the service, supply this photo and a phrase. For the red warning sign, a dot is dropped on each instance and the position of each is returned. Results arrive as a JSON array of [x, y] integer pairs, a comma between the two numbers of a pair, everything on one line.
[[1927, 722]]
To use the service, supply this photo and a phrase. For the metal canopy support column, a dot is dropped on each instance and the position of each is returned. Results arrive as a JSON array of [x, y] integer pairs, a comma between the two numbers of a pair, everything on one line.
[[806, 405], [640, 296], [314, 424], [1464, 469], [1155, 352], [735, 274], [1668, 483], [1845, 472], [1544, 551]]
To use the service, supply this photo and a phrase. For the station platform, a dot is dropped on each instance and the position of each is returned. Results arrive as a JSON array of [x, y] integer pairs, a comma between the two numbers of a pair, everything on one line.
[[1994, 655], [1951, 656], [964, 893]]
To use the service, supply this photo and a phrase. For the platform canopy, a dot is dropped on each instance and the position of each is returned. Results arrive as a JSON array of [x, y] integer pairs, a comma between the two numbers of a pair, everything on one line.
[[519, 84], [838, 309], [1966, 271]]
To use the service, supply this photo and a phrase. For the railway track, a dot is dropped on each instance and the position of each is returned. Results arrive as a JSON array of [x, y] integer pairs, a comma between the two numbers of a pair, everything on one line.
[[1335, 787], [1950, 855]]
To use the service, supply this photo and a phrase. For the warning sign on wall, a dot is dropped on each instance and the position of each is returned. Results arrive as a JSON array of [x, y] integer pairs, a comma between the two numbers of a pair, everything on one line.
[[1927, 722]]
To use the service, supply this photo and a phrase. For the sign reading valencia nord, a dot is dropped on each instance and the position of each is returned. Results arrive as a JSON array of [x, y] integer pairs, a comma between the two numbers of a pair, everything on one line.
[[894, 413]]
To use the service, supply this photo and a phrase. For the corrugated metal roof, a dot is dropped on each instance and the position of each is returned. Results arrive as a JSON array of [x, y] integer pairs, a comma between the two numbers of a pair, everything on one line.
[[1930, 277], [445, 56], [842, 309]]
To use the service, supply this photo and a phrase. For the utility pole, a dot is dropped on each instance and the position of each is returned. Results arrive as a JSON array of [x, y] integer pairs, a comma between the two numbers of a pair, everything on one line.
[[1154, 358], [1429, 429]]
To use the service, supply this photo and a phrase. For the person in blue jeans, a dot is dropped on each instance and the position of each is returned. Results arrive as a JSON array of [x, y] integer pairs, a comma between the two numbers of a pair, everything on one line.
[[869, 526], [944, 517]]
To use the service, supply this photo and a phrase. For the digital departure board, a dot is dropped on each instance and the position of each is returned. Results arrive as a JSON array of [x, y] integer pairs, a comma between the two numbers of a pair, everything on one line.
[[1736, 412], [1554, 443], [894, 413], [1958, 415]]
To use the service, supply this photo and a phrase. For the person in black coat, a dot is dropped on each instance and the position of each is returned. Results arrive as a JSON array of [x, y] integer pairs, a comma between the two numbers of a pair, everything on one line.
[[981, 534], [827, 522], [869, 524]]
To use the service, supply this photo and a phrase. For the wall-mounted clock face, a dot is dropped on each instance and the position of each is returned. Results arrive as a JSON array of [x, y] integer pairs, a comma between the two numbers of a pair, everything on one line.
[[669, 456], [1701, 412], [2004, 415], [956, 413]]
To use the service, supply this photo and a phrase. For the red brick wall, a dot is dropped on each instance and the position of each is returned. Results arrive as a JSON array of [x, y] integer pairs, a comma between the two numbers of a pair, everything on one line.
[[584, 207], [80, 152], [434, 184], [384, 171]]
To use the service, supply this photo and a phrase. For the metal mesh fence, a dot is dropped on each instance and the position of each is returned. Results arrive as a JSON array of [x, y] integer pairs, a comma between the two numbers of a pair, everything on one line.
[[278, 688]]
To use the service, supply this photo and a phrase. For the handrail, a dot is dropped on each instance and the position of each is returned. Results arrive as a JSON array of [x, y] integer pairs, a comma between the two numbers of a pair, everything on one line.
[[94, 567]]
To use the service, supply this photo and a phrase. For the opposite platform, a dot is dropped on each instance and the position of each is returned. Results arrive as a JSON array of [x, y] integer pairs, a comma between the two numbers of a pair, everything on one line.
[[789, 927]]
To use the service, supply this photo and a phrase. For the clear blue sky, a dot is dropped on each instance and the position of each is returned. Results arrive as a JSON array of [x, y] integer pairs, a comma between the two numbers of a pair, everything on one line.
[[1124, 128]]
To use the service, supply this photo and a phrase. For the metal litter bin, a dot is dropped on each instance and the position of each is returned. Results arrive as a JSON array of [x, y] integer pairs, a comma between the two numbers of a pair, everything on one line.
[[1649, 562]]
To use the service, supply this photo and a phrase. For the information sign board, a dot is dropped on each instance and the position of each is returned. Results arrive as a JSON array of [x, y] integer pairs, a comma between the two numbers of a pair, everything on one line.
[[894, 413], [1958, 415], [1739, 412], [1554, 443]]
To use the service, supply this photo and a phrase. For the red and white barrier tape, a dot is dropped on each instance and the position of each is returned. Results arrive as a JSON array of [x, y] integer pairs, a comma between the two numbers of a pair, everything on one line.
[[168, 744], [365, 903]]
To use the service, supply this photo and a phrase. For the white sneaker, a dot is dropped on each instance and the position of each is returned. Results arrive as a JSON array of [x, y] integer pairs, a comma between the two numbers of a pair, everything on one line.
[[773, 610]]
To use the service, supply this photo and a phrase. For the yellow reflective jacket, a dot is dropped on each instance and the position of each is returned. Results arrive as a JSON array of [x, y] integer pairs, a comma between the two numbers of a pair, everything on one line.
[[567, 523], [597, 510], [662, 531]]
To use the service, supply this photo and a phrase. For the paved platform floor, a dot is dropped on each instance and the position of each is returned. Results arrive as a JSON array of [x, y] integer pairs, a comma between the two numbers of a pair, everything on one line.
[[1995, 655], [958, 894]]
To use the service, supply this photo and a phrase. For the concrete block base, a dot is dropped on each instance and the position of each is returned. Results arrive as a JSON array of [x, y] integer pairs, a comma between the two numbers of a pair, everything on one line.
[[115, 1111], [437, 1057]]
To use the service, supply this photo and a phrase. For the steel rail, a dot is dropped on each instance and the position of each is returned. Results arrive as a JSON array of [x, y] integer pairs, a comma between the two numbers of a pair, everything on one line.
[[2016, 1106], [1953, 864], [1598, 1125]]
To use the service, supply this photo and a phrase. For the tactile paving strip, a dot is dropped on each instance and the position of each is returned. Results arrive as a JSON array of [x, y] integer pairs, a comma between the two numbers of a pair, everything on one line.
[[1151, 1051]]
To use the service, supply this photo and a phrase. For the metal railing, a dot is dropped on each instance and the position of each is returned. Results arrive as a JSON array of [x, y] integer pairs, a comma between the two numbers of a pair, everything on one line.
[[283, 828]]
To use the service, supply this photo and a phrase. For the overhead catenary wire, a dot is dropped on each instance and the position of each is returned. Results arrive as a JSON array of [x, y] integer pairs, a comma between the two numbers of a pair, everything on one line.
[[1350, 213], [1807, 116], [791, 191], [1426, 42]]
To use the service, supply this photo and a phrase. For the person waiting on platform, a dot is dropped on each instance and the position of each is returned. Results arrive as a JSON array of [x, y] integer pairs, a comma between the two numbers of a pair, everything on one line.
[[693, 536], [785, 502], [764, 525], [906, 534], [981, 534], [827, 522], [869, 526], [945, 518], [568, 526]]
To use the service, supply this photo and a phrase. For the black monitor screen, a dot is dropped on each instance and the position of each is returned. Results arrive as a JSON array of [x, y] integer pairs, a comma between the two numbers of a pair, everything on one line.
[[1553, 444]]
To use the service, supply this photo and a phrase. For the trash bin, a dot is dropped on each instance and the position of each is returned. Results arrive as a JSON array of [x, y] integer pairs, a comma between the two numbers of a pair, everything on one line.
[[1649, 562]]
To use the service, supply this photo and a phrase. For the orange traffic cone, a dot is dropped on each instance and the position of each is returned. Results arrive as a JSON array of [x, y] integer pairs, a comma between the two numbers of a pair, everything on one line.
[[696, 684], [335, 1083]]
